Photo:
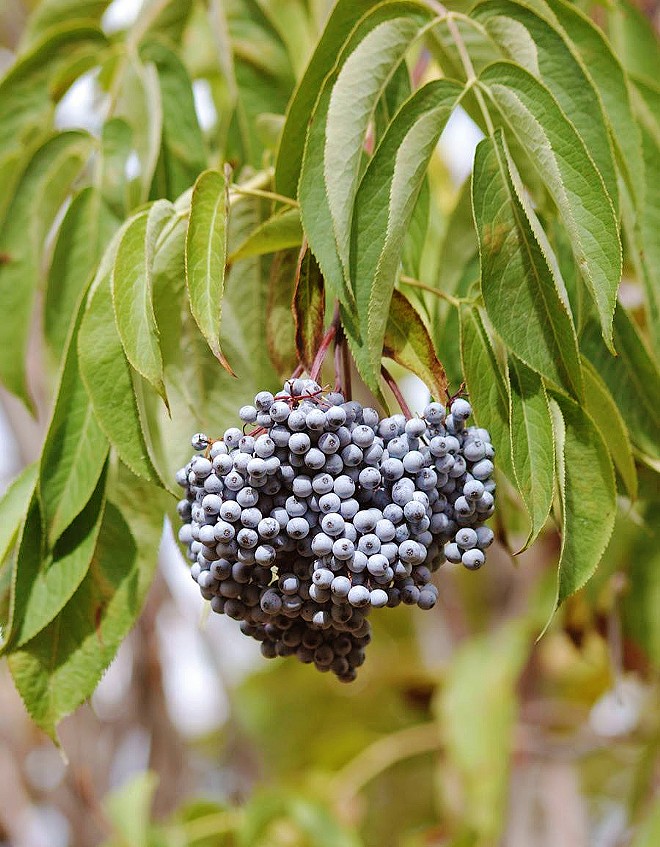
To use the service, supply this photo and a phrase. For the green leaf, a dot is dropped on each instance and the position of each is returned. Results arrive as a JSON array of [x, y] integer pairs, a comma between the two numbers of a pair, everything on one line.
[[532, 445], [634, 39], [61, 666], [44, 582], [206, 256], [384, 206], [551, 60], [633, 378], [487, 386], [116, 141], [588, 495], [612, 86], [52, 13], [408, 343], [563, 162], [308, 308], [74, 451], [604, 412], [476, 715], [129, 809], [39, 194], [26, 99], [519, 285], [355, 92], [641, 601], [379, 29], [648, 832], [344, 16], [280, 323], [278, 232], [132, 293], [183, 155], [14, 504], [649, 226], [86, 229], [107, 378]]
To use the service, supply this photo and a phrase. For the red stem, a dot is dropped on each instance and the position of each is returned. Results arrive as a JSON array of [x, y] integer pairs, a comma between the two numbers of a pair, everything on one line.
[[394, 388], [330, 333]]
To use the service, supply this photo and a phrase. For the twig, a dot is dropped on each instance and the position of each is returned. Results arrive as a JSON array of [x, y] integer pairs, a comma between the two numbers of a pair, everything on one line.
[[327, 340], [394, 388], [415, 283], [266, 195]]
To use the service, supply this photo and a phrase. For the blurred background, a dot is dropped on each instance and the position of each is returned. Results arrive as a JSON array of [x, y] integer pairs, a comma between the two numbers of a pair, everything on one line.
[[462, 728]]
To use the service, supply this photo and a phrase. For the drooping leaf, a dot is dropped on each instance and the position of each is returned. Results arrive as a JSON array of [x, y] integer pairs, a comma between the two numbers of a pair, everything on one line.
[[86, 229], [182, 155], [532, 444], [640, 602], [52, 13], [633, 378], [39, 194], [487, 387], [60, 667], [551, 60], [519, 285], [45, 581], [308, 308], [649, 225], [116, 142], [634, 40], [107, 378], [408, 342], [74, 451], [604, 412], [132, 294], [206, 256], [13, 507], [280, 323], [588, 495], [353, 99], [384, 206], [386, 42], [610, 81], [278, 232], [567, 170], [26, 100], [344, 16]]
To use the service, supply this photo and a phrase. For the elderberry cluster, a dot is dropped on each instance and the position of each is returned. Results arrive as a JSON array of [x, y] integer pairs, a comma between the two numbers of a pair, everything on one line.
[[324, 511]]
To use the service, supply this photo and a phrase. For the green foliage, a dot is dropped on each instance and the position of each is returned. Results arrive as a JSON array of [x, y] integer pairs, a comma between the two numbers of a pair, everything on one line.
[[165, 271]]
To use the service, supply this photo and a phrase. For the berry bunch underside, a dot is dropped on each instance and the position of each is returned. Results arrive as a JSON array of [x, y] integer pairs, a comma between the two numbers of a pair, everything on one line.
[[323, 511]]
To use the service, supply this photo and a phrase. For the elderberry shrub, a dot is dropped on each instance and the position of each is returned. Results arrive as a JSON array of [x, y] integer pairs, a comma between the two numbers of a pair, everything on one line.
[[323, 511]]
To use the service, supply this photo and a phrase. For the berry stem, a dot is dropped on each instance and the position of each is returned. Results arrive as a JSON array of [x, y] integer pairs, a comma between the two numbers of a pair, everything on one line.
[[327, 340], [394, 388]]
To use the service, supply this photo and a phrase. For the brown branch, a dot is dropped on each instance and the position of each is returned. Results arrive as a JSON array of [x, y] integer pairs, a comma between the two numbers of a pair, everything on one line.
[[394, 388]]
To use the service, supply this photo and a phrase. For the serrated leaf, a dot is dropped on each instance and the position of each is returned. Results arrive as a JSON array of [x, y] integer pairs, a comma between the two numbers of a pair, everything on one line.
[[563, 162], [308, 308], [610, 81], [355, 93], [206, 256], [52, 13], [280, 324], [39, 194], [604, 412], [314, 204], [487, 389], [74, 451], [551, 59], [280, 231], [408, 343], [45, 581], [14, 504], [519, 287], [344, 16], [532, 444], [112, 182], [384, 206], [182, 155], [588, 496], [633, 378], [132, 294], [60, 667], [86, 229], [107, 378]]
